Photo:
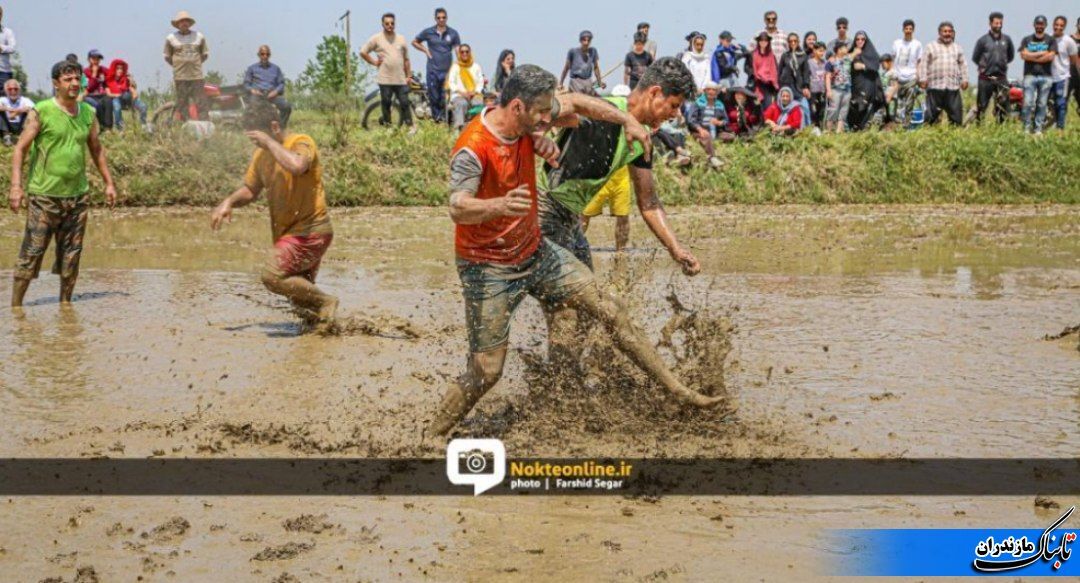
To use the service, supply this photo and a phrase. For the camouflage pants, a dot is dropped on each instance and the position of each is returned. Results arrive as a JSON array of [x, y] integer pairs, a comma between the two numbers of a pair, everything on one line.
[[47, 217]]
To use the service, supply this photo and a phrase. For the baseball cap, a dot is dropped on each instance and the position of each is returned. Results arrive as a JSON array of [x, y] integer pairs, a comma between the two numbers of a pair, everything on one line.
[[726, 34], [95, 53]]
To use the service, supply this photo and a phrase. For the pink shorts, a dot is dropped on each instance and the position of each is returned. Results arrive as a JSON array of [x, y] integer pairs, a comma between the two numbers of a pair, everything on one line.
[[300, 255]]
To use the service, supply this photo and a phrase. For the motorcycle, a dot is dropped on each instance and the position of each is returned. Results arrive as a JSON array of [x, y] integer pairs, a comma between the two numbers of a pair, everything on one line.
[[418, 101], [225, 105]]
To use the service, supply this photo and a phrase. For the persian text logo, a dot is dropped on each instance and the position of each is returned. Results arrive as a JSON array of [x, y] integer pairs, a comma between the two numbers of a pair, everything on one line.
[[480, 463], [1012, 553]]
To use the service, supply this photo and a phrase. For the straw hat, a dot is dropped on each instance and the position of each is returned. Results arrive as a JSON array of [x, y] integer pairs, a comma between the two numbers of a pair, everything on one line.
[[182, 15]]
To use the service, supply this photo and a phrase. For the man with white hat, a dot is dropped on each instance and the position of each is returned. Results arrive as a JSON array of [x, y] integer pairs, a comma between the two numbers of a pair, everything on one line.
[[186, 50]]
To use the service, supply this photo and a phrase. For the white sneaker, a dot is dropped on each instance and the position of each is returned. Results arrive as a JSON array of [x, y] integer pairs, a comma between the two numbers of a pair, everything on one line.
[[716, 162], [412, 130]]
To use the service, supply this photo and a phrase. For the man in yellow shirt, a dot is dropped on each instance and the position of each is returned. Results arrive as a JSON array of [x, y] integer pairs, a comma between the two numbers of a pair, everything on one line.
[[616, 194], [286, 166]]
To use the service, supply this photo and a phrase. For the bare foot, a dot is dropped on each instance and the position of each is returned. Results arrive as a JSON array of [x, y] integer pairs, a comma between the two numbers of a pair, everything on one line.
[[449, 412], [326, 315]]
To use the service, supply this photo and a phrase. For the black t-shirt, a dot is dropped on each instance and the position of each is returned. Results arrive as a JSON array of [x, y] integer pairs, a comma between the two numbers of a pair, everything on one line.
[[638, 64], [588, 152], [1035, 45]]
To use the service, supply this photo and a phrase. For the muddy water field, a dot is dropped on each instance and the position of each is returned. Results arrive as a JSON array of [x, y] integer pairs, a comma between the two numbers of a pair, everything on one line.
[[869, 332]]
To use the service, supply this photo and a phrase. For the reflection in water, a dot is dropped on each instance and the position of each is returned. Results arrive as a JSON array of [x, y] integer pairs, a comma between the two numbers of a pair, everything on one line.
[[47, 368]]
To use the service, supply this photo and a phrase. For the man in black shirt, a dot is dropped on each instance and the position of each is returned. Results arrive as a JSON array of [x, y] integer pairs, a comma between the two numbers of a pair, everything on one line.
[[1038, 51], [993, 53]]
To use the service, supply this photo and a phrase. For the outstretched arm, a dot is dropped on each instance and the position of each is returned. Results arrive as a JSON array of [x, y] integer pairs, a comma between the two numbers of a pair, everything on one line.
[[572, 105], [240, 197], [652, 211]]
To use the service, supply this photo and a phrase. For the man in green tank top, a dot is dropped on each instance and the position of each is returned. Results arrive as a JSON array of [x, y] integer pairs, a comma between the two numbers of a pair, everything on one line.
[[58, 132]]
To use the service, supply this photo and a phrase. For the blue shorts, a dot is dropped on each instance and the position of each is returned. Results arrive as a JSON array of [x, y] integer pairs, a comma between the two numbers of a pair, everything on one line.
[[493, 291]]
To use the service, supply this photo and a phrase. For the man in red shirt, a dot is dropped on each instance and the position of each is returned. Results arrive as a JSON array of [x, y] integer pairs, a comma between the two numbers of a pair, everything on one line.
[[501, 254]]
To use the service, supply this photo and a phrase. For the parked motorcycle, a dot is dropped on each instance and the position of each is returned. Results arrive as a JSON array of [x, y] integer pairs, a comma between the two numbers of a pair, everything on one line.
[[226, 105], [418, 101]]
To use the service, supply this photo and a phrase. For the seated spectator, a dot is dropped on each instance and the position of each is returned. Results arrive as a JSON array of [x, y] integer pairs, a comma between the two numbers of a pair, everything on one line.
[[670, 141], [743, 115], [706, 118], [503, 70], [120, 87], [784, 116], [265, 79], [466, 84], [14, 106], [97, 90]]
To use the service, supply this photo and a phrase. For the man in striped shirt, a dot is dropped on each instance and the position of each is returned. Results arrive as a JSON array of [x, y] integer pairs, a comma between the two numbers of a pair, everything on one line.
[[943, 74]]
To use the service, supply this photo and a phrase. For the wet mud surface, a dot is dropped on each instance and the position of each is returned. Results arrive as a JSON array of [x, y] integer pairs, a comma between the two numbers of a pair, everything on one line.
[[838, 332]]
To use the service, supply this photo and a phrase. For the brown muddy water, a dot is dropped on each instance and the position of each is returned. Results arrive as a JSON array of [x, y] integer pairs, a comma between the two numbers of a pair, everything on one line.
[[858, 332]]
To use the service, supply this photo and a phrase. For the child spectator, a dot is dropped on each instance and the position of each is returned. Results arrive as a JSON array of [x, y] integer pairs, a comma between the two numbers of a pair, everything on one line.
[[838, 88]]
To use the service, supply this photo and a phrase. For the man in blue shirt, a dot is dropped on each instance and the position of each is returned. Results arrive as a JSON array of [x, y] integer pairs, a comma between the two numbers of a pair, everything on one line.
[[264, 79], [441, 42]]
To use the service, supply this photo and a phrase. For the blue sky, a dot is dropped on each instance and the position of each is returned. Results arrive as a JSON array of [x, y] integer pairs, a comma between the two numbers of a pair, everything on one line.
[[539, 32]]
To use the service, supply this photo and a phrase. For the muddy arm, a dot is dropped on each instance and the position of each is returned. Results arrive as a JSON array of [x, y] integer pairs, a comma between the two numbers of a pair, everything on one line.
[[652, 211]]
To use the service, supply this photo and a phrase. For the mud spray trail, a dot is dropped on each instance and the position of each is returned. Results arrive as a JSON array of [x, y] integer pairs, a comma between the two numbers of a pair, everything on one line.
[[841, 331]]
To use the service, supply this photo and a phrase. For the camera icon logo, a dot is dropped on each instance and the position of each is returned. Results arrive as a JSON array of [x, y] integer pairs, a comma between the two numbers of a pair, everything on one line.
[[480, 463]]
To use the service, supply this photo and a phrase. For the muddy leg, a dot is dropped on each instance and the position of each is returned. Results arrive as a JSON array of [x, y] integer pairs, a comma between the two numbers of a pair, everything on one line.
[[633, 342], [483, 371], [302, 292], [564, 323], [622, 232], [18, 291], [67, 289]]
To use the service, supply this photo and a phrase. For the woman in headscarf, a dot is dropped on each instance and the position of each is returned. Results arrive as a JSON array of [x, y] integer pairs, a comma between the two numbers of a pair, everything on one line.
[[698, 61], [784, 116], [866, 92], [503, 70], [762, 71], [795, 73], [744, 118], [466, 84]]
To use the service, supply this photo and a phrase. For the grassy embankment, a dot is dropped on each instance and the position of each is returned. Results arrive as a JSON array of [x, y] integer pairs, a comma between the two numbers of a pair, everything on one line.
[[987, 164]]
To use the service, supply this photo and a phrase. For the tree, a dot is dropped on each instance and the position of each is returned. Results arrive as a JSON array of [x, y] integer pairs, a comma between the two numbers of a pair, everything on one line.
[[326, 72], [215, 78]]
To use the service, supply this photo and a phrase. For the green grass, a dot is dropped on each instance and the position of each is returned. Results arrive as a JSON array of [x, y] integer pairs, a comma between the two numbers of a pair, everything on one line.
[[987, 164]]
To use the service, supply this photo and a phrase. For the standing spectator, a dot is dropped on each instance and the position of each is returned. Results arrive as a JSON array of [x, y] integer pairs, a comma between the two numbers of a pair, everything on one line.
[[761, 70], [841, 34], [7, 47], [503, 70], [650, 45], [61, 129], [725, 62], [466, 84], [96, 89], [866, 93], [1074, 79], [943, 74], [1038, 52], [838, 88], [122, 92], [706, 118], [441, 42], [809, 40], [698, 61], [906, 54], [14, 107], [637, 60], [795, 73], [889, 86], [993, 53], [265, 79], [392, 62], [186, 51], [776, 36], [582, 63], [1064, 60], [784, 116], [817, 65]]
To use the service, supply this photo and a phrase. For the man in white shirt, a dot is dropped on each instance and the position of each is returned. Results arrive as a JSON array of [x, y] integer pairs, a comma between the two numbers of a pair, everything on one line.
[[7, 47], [1060, 73], [466, 84], [906, 54], [14, 106]]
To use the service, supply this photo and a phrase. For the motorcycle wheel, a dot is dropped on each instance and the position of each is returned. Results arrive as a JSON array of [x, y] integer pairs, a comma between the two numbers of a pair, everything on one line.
[[164, 116], [373, 116]]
